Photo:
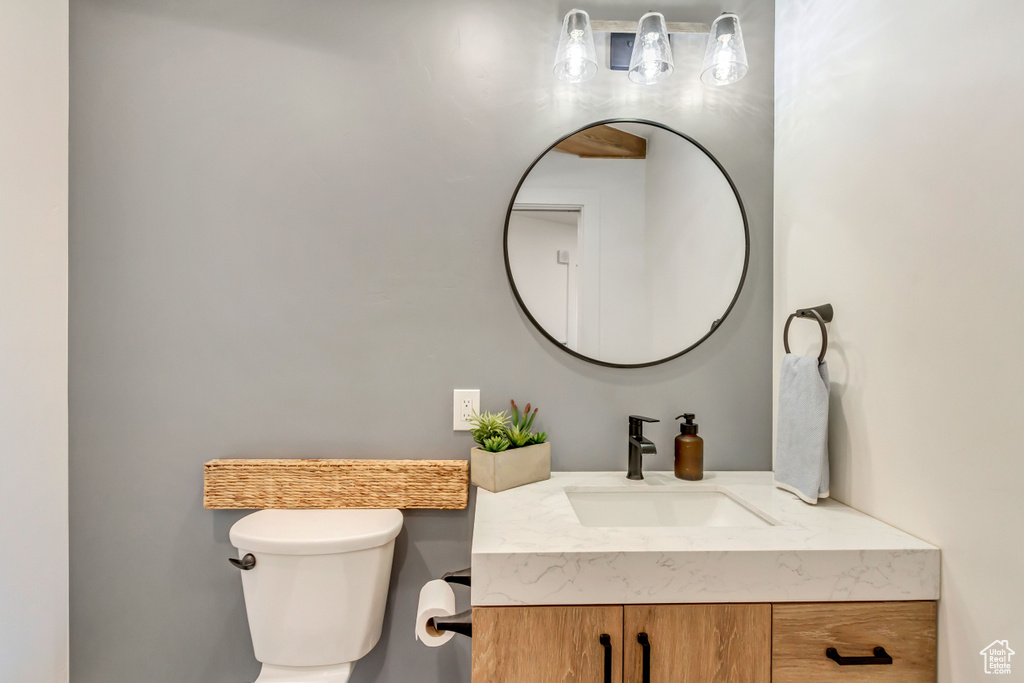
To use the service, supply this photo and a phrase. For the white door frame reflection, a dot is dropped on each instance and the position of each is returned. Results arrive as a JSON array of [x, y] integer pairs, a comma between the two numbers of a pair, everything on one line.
[[555, 308]]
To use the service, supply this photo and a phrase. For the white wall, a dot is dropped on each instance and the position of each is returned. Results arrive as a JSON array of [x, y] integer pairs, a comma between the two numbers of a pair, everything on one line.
[[33, 340], [897, 185]]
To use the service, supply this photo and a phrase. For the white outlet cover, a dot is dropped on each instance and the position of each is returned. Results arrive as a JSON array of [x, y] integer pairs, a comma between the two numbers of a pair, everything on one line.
[[465, 402]]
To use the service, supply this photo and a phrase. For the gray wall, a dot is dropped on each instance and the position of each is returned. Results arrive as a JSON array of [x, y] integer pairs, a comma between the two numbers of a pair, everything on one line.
[[286, 241]]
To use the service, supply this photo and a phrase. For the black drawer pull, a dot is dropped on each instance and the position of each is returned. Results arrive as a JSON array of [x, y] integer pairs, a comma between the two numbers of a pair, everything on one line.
[[606, 641], [881, 657], [645, 643]]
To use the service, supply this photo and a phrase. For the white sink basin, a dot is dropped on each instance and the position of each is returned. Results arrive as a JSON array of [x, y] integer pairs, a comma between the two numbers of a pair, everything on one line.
[[700, 506]]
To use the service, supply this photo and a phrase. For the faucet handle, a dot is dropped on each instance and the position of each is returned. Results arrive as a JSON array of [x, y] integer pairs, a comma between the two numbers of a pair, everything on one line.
[[636, 425]]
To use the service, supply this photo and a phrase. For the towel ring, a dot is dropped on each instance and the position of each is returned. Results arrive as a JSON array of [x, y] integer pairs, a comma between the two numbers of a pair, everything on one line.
[[822, 314]]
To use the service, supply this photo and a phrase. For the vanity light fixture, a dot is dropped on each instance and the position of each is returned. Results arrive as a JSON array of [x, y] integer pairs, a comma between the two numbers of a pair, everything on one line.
[[725, 59], [576, 59]]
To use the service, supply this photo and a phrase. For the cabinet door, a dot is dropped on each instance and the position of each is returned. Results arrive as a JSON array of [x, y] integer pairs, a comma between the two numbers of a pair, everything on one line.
[[547, 644], [803, 633], [727, 643]]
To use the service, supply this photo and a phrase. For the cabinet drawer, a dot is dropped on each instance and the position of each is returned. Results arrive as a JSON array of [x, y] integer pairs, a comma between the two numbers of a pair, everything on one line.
[[801, 632]]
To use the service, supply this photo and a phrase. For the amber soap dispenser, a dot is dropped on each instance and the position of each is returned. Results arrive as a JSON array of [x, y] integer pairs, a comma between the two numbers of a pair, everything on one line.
[[689, 450]]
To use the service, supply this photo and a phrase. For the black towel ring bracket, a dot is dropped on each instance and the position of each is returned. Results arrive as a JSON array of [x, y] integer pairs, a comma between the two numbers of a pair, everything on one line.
[[822, 314]]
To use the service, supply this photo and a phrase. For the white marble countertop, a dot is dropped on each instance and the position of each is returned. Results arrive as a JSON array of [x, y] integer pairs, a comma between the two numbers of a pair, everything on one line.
[[530, 548]]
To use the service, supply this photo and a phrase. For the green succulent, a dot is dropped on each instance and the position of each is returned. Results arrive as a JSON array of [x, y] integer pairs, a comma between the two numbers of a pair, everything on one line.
[[524, 421], [518, 436], [495, 444], [488, 426], [496, 432], [521, 423]]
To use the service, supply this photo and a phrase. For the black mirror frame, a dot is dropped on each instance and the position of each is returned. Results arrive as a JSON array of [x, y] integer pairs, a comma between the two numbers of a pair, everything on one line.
[[739, 286]]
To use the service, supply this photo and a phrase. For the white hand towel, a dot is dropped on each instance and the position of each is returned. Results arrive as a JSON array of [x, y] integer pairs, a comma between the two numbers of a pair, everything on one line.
[[801, 446]]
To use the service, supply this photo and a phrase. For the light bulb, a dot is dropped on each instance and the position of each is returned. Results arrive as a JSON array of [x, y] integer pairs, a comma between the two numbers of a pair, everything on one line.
[[575, 57], [726, 56], [651, 64]]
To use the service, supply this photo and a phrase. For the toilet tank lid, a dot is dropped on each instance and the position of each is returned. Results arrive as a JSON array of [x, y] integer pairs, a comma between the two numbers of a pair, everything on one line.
[[315, 532]]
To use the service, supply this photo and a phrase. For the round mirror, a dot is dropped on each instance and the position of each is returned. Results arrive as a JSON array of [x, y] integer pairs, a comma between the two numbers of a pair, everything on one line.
[[626, 243]]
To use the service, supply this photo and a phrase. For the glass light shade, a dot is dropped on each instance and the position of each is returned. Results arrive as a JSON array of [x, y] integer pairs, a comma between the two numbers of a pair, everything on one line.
[[652, 54], [576, 59], [725, 60]]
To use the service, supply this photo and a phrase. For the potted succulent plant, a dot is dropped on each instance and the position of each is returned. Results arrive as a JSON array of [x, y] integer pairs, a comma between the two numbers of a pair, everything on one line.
[[509, 453]]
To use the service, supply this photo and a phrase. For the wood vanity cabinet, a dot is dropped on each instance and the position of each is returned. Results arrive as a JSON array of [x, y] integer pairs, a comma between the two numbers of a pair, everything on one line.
[[701, 643], [723, 643]]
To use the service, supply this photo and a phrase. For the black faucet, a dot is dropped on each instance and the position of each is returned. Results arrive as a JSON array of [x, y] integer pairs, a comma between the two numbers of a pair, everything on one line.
[[639, 446]]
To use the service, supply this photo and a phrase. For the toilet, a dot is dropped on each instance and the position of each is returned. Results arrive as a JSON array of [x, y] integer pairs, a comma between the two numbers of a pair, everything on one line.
[[316, 593]]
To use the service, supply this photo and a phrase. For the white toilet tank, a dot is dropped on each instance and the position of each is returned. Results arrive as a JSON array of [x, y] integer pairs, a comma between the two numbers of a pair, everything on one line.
[[317, 592]]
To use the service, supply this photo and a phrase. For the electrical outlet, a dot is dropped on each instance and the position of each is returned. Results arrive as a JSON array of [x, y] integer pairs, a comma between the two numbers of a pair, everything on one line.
[[466, 402]]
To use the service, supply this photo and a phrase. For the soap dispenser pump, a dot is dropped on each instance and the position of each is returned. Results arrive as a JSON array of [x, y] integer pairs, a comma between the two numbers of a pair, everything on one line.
[[689, 463]]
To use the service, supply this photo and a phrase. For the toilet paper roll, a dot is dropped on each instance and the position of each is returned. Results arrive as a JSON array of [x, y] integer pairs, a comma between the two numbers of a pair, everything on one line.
[[436, 600]]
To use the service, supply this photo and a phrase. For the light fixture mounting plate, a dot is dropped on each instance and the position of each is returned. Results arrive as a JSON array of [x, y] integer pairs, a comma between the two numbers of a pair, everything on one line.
[[621, 51]]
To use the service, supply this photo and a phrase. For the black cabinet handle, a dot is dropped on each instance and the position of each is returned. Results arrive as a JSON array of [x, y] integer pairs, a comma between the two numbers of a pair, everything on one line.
[[245, 564], [881, 657], [645, 643], [606, 641]]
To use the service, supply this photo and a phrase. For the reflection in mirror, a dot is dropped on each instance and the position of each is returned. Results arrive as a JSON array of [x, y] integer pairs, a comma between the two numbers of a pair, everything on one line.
[[626, 243]]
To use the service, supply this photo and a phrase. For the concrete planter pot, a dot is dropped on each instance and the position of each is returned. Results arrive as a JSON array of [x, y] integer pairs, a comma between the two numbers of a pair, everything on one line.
[[509, 469]]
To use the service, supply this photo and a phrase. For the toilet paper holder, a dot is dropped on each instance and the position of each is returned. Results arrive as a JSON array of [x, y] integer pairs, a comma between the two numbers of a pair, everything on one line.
[[461, 577], [456, 623], [463, 621]]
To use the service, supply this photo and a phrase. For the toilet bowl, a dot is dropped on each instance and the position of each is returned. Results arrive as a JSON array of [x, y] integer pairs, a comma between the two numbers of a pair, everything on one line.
[[316, 591]]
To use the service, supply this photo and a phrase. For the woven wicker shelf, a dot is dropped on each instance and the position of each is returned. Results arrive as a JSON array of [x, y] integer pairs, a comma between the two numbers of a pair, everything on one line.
[[333, 484]]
